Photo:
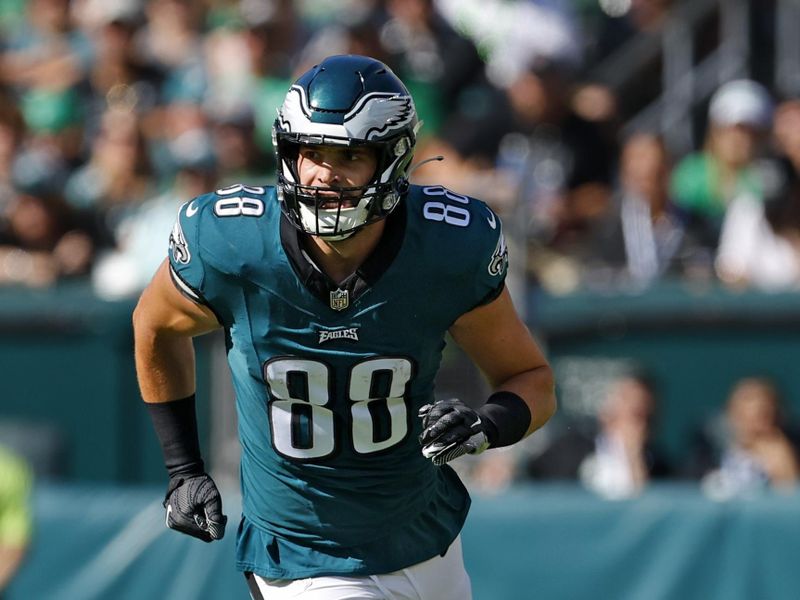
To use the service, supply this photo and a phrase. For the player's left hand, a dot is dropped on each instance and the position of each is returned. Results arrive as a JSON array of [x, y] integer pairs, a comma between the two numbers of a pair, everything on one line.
[[450, 428], [194, 507]]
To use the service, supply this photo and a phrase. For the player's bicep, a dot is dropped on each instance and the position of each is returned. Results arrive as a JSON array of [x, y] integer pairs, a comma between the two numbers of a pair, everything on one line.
[[162, 307], [497, 340]]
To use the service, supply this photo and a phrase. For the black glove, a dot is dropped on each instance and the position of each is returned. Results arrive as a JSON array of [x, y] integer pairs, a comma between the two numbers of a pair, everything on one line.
[[194, 507], [450, 428]]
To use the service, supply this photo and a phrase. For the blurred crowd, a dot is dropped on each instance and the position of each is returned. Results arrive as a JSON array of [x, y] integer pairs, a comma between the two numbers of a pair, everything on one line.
[[749, 447], [115, 112]]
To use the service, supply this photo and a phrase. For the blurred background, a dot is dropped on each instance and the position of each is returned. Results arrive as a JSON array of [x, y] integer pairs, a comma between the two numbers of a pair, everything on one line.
[[644, 156]]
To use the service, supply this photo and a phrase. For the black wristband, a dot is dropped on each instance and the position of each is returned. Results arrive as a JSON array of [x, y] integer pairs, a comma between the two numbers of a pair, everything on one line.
[[508, 416], [176, 428]]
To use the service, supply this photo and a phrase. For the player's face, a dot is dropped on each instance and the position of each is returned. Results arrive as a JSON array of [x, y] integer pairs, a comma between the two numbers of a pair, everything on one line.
[[336, 167]]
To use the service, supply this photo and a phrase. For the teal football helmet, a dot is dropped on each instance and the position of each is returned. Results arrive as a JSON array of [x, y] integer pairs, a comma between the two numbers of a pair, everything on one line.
[[345, 101]]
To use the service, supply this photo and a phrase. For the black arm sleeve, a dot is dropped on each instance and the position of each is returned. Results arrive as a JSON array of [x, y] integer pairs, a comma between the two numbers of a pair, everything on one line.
[[176, 428]]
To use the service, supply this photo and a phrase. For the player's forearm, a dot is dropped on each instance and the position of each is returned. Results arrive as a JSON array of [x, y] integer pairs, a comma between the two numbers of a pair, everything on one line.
[[164, 364], [537, 388]]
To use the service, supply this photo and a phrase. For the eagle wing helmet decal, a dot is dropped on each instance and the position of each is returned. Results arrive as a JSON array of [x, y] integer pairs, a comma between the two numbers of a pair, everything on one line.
[[393, 111], [293, 111]]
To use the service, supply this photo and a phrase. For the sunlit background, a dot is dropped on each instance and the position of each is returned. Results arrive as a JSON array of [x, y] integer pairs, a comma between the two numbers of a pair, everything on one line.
[[644, 158]]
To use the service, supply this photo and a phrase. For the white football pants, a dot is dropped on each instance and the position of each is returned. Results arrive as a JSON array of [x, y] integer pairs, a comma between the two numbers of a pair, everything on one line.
[[439, 578]]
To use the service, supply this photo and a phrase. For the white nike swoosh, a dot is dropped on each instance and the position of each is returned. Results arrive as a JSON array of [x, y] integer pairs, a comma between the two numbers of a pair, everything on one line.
[[169, 510], [191, 209], [491, 219]]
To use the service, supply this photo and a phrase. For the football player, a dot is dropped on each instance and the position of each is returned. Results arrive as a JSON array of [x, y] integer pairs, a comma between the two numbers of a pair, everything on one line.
[[335, 289]]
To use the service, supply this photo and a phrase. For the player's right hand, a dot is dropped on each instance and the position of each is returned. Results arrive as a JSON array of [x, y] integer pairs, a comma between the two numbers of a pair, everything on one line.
[[194, 507]]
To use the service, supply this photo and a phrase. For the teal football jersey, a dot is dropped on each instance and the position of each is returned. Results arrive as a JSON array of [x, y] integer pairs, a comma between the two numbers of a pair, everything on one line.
[[329, 378]]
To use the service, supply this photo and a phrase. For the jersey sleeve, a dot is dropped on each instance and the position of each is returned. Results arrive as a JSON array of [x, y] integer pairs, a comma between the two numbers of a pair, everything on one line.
[[465, 249], [216, 242], [185, 263], [491, 259], [194, 263]]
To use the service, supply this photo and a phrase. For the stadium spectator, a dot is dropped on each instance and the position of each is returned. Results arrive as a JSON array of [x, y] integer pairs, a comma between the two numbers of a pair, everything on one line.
[[139, 249], [170, 43], [41, 241], [617, 25], [615, 456], [15, 515], [117, 175], [238, 157], [760, 241], [786, 131], [358, 32], [748, 449], [47, 56], [644, 236], [181, 134], [119, 75], [705, 183], [250, 64], [438, 64], [43, 63], [68, 64], [512, 35], [621, 34], [334, 246], [562, 165], [783, 210]]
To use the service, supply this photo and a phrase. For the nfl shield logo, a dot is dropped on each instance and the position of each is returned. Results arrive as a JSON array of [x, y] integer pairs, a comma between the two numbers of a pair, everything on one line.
[[340, 299]]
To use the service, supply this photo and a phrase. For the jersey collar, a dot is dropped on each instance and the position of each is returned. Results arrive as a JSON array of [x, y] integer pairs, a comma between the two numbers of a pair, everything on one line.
[[365, 277]]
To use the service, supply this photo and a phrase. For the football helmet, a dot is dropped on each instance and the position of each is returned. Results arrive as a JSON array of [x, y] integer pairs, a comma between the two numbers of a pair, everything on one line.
[[345, 101]]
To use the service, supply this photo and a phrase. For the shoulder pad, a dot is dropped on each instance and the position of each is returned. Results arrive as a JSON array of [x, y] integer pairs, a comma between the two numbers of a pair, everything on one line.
[[463, 224], [213, 229], [232, 201]]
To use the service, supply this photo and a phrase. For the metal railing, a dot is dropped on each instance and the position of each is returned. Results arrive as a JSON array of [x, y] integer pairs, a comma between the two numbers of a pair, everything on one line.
[[687, 79]]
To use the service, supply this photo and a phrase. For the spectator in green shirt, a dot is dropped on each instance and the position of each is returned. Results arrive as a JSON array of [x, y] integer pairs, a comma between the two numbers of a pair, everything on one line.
[[705, 182]]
